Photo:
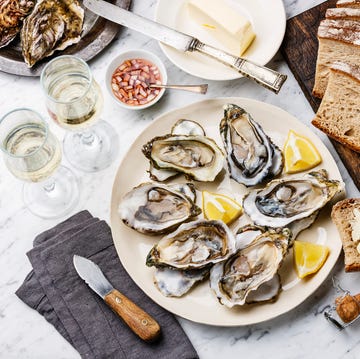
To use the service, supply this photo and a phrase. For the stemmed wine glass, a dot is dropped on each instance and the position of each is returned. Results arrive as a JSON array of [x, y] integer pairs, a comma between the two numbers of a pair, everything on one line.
[[33, 154], [74, 100]]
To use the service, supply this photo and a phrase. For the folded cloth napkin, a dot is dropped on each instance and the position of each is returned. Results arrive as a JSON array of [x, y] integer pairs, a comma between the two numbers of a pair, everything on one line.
[[55, 290]]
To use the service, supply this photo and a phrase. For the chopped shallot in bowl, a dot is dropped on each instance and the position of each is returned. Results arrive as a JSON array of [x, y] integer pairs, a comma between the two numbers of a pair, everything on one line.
[[129, 75]]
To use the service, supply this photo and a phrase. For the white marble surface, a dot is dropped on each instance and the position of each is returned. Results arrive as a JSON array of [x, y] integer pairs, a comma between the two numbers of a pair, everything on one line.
[[301, 333]]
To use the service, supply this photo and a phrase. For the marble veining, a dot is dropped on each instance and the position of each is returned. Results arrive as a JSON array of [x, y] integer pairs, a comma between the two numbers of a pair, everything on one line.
[[300, 333]]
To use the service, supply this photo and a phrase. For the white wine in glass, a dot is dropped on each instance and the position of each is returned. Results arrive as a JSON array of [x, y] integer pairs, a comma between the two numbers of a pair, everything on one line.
[[33, 154], [74, 100]]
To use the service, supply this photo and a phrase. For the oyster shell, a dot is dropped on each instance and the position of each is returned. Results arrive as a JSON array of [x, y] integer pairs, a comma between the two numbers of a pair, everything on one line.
[[12, 13], [155, 208], [181, 127], [284, 201], [267, 291], [187, 127], [175, 282], [251, 155], [198, 157], [193, 245], [53, 25], [249, 268]]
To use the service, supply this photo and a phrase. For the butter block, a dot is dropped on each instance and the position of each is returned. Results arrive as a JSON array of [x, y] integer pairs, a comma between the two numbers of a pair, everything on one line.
[[222, 22]]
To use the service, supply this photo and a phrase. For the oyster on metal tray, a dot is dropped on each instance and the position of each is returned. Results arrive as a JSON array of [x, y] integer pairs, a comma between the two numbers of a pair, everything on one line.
[[52, 25], [12, 13]]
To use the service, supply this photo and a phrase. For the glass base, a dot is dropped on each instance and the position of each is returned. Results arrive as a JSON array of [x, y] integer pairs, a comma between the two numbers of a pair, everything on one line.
[[92, 150], [54, 197]]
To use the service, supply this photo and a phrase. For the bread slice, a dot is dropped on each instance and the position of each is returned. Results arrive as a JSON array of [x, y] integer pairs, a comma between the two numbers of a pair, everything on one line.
[[339, 40], [339, 112], [343, 216], [343, 13], [348, 3]]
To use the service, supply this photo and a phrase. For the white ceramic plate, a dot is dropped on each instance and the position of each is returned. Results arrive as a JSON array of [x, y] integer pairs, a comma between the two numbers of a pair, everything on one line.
[[200, 304], [266, 16]]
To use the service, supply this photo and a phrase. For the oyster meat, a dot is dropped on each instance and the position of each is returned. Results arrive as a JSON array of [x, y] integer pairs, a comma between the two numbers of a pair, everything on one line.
[[175, 282], [284, 201], [156, 208], [12, 13], [251, 155], [193, 245], [249, 269], [198, 157], [181, 127], [52, 25]]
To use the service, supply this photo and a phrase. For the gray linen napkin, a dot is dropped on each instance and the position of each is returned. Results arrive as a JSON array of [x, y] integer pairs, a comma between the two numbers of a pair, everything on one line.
[[55, 290]]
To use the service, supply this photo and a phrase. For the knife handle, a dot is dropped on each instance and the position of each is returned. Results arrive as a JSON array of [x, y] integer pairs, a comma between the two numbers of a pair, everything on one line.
[[264, 76], [139, 321]]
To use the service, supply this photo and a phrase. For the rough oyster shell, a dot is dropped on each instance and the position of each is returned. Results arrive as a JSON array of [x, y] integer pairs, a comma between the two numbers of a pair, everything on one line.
[[156, 208], [181, 127], [12, 13], [284, 201], [193, 245], [198, 157], [249, 268], [53, 25], [175, 282], [251, 155]]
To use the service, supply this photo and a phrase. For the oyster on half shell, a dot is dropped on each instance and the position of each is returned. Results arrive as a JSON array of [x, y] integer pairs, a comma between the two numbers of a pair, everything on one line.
[[181, 127], [193, 245], [249, 268], [251, 155], [198, 157], [284, 201], [12, 13], [156, 208], [52, 25]]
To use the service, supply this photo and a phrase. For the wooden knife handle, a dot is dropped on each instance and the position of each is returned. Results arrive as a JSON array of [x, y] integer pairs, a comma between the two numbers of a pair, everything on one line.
[[139, 321]]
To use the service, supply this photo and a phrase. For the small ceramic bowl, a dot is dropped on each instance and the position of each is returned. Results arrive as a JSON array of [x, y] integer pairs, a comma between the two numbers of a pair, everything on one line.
[[125, 83]]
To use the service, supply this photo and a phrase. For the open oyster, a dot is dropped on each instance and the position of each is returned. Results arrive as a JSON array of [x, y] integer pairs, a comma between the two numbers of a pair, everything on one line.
[[181, 127], [176, 282], [251, 155], [53, 25], [12, 13], [156, 208], [284, 201], [193, 245], [249, 268], [198, 157]]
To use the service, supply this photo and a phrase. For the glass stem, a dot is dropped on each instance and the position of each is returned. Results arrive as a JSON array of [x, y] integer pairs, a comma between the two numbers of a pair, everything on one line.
[[88, 137]]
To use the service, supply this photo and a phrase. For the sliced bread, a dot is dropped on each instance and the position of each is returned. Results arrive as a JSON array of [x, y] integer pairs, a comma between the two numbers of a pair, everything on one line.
[[346, 216], [348, 3], [343, 13], [339, 112], [338, 40]]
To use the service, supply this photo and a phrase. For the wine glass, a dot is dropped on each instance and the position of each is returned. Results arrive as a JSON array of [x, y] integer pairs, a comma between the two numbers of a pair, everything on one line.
[[74, 100], [33, 154]]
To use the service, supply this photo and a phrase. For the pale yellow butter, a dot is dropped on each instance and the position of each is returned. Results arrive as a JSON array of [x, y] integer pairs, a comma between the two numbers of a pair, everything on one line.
[[229, 27]]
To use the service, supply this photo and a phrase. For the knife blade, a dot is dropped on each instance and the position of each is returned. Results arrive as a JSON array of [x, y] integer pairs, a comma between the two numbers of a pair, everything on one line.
[[138, 320], [266, 77]]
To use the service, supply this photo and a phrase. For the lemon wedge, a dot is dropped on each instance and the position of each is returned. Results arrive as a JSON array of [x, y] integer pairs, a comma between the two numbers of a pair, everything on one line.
[[300, 153], [309, 257], [220, 207]]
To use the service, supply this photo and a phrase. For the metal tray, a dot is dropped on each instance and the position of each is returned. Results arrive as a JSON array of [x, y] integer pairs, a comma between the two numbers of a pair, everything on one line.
[[97, 34]]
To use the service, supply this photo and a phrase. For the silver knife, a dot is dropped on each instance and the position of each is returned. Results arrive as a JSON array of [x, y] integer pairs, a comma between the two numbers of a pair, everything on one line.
[[139, 321], [266, 77]]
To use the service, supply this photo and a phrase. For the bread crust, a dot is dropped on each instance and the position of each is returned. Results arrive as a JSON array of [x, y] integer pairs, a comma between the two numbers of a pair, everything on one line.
[[340, 211]]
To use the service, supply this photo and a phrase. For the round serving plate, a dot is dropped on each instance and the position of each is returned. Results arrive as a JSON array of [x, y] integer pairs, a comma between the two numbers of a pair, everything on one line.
[[96, 35], [200, 304], [268, 20]]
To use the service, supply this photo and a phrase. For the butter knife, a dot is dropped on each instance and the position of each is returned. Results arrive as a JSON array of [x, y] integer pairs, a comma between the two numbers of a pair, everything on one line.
[[266, 77], [139, 321]]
